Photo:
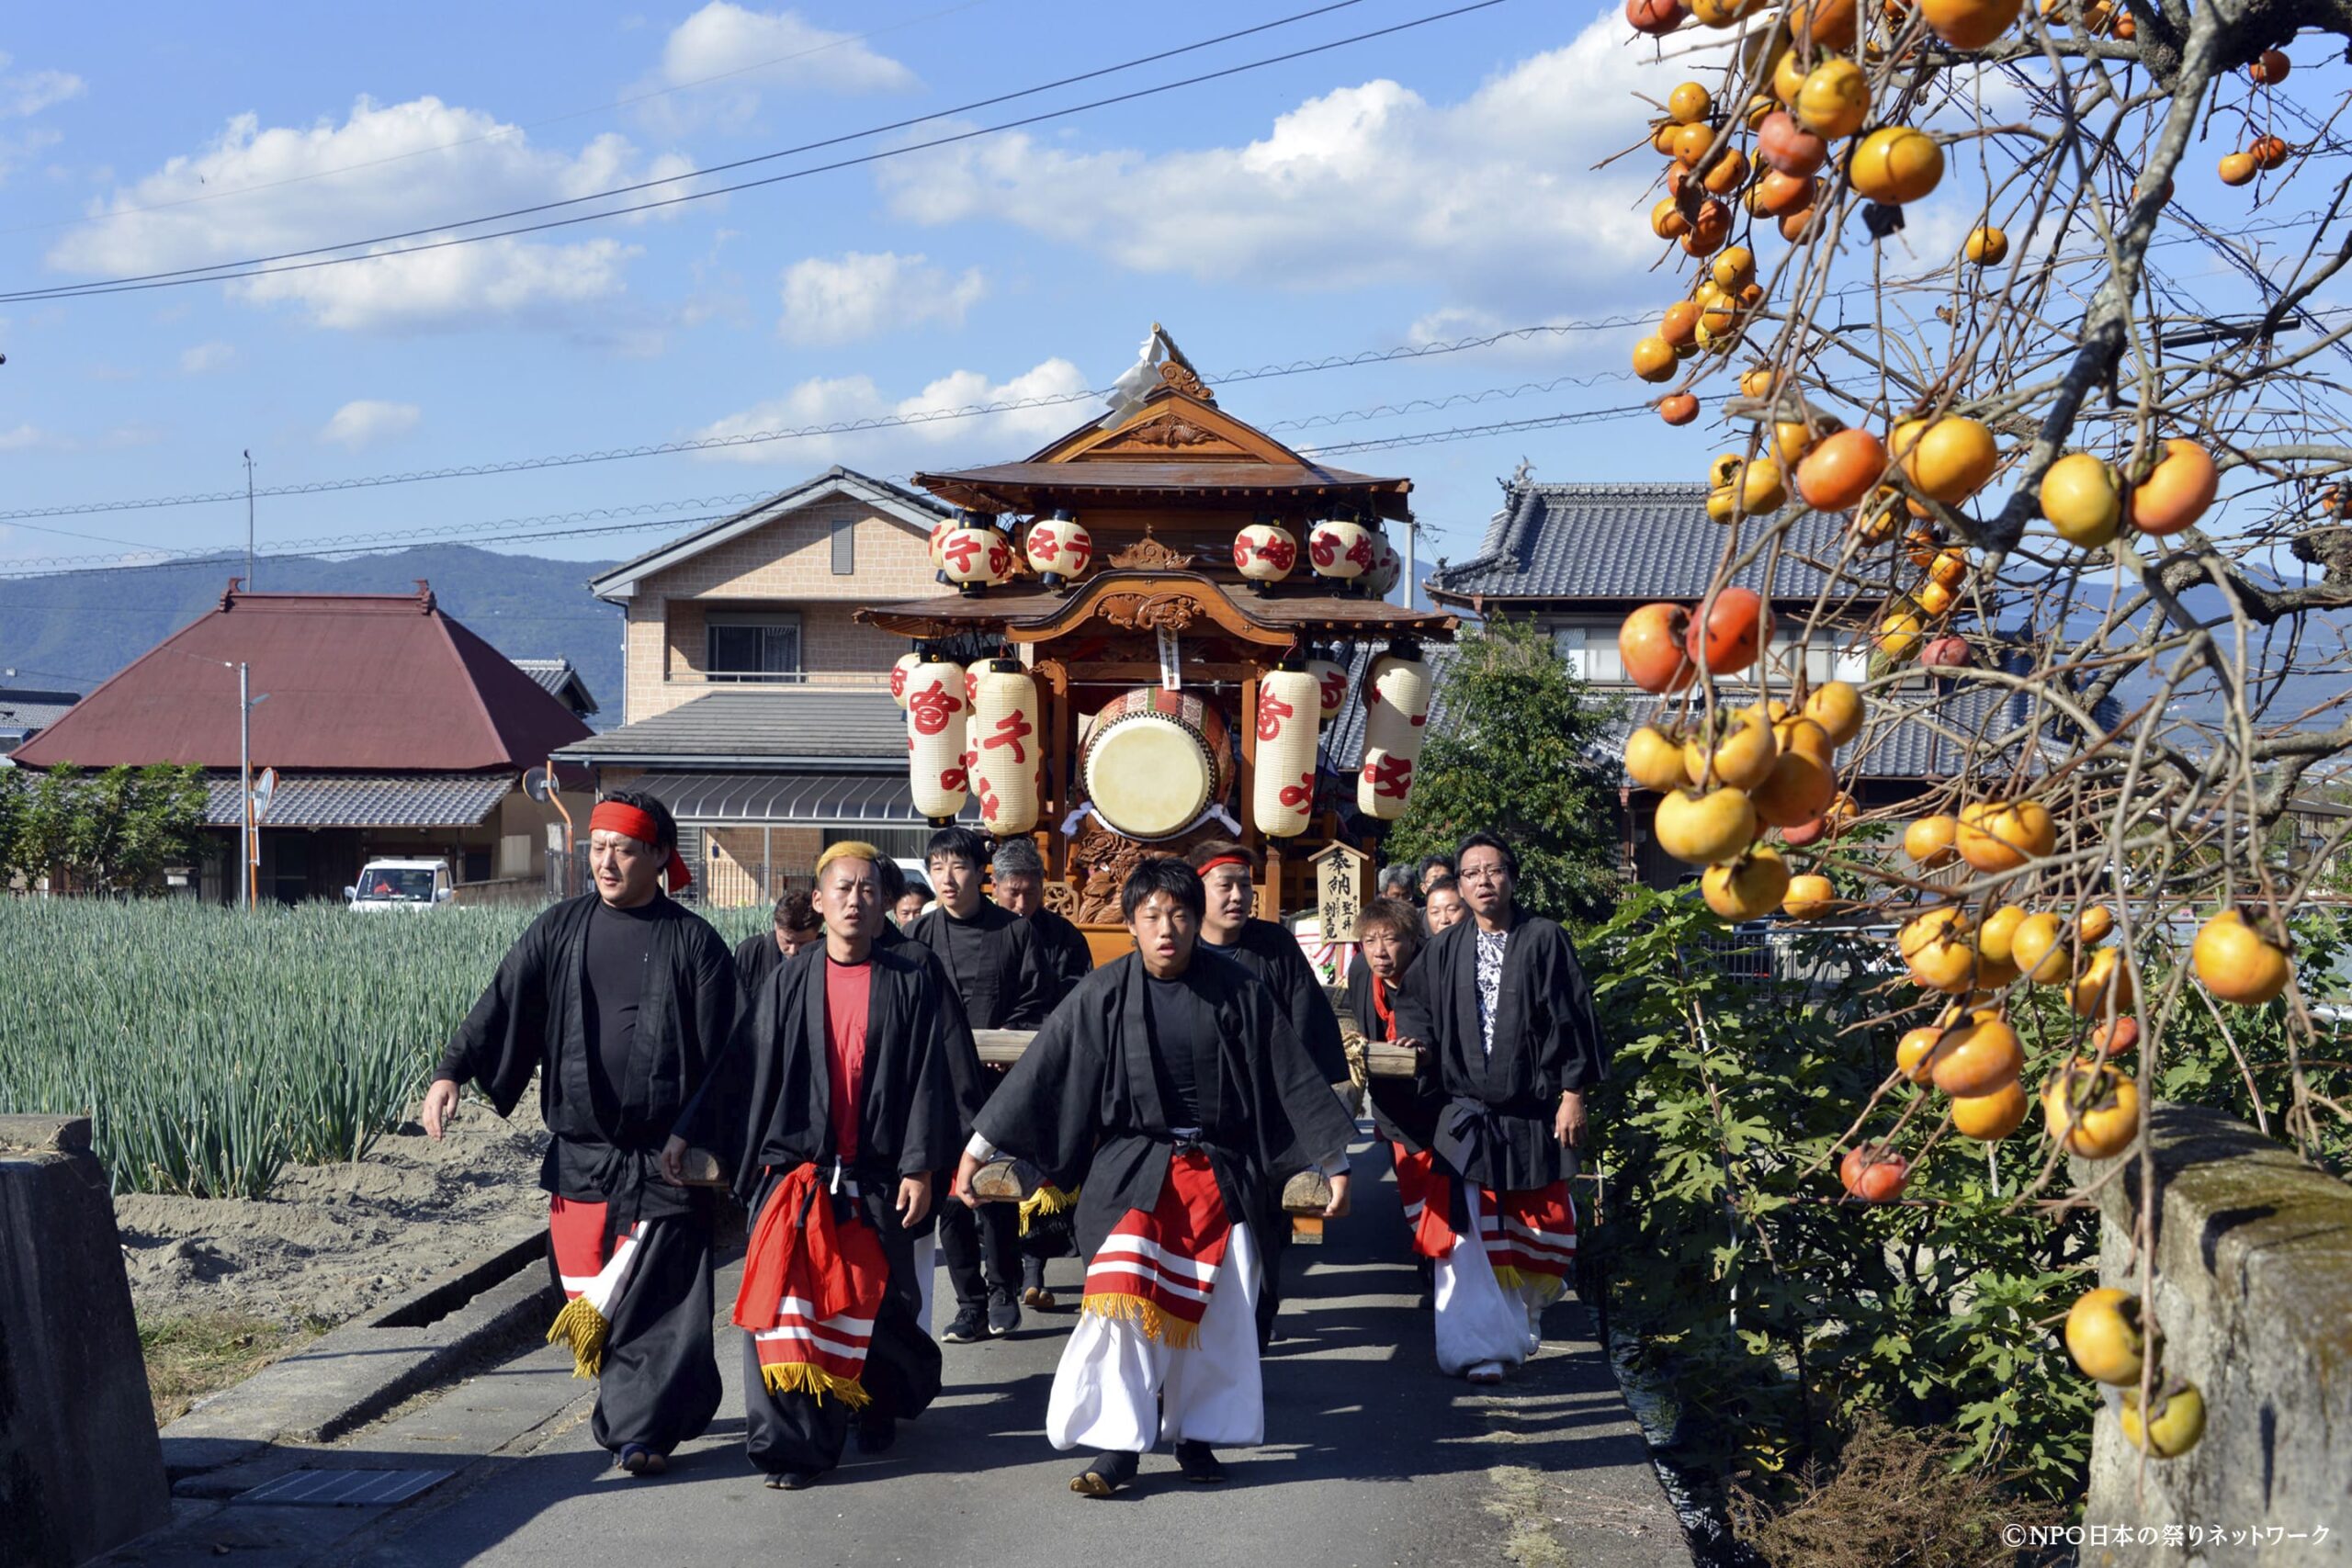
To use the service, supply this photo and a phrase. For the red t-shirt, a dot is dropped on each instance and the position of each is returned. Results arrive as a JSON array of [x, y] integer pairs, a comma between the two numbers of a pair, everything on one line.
[[849, 990]]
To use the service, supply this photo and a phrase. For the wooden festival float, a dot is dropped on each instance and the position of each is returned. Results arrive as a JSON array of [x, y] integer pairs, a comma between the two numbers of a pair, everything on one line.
[[1152, 628]]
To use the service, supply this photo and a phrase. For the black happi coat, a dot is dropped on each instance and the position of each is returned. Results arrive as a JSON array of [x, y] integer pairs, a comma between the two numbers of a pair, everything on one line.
[[1067, 957], [769, 1106], [1496, 1112], [756, 957], [1403, 1109], [1012, 988], [534, 1018], [1272, 954], [1084, 1097]]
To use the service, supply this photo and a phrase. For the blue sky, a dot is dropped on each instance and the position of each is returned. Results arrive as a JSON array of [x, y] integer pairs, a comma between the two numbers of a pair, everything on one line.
[[1421, 187], [1417, 189]]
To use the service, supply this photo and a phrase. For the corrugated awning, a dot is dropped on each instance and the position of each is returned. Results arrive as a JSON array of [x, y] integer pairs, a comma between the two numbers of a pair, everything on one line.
[[365, 800], [805, 799]]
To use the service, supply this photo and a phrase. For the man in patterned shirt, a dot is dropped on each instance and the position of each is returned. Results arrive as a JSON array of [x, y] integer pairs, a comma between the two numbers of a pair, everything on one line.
[[1500, 1005]]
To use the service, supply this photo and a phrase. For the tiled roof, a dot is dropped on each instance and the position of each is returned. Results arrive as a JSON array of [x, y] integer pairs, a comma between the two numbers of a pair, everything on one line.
[[23, 711], [790, 795], [365, 800], [1621, 541], [915, 510], [354, 683], [771, 726], [558, 678]]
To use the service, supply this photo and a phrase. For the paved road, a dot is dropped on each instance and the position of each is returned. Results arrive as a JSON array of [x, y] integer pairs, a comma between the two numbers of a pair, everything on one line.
[[1371, 1459]]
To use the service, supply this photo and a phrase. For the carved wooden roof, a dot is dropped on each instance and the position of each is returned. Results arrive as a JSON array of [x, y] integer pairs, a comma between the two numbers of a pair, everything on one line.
[[1134, 601], [1176, 446]]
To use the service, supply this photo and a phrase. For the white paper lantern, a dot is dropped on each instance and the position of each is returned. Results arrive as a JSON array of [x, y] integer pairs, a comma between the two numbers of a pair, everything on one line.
[[1264, 552], [939, 532], [1396, 703], [936, 712], [898, 673], [1339, 549], [1282, 795], [1008, 750], [1059, 548], [1388, 566], [1330, 685], [975, 557]]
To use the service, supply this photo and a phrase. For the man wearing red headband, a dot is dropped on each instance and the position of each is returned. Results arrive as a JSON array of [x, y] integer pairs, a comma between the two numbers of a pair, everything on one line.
[[620, 1001], [1228, 875]]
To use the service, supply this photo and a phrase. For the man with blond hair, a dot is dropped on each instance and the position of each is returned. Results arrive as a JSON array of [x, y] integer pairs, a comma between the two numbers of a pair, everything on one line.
[[835, 1109]]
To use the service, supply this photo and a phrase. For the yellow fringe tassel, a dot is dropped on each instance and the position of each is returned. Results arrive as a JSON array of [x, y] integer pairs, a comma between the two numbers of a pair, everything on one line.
[[806, 1377], [1155, 1323], [1046, 1199], [1547, 1286], [581, 1327]]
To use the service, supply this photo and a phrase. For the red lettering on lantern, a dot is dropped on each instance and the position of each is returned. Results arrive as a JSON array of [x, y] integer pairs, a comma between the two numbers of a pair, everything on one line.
[[961, 546], [1241, 552], [897, 680], [931, 708], [1335, 688], [1300, 794], [1001, 559], [1079, 549], [1011, 730], [1324, 547], [1389, 777], [952, 778], [1041, 543], [1271, 711], [989, 802], [1360, 551], [1281, 552]]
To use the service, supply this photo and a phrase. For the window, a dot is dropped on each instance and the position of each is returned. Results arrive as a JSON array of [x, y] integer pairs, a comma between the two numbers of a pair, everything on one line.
[[754, 648], [1589, 652], [845, 547]]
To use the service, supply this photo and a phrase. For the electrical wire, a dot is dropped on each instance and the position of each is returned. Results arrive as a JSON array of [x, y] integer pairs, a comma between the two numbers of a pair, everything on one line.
[[221, 271], [834, 427]]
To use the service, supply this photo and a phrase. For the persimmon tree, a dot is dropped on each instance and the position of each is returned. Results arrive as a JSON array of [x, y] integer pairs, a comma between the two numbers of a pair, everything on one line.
[[1919, 264]]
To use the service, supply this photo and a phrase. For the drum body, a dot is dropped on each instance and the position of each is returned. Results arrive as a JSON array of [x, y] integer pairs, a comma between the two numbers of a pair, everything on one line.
[[1154, 760]]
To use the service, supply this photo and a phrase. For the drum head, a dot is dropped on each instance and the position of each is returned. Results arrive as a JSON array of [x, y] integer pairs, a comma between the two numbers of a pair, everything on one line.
[[1147, 776]]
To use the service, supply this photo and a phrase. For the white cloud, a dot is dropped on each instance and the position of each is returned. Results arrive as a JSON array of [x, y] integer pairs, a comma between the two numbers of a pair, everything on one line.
[[27, 438], [259, 191], [206, 358], [30, 92], [366, 421], [829, 401], [1364, 185], [723, 56], [856, 295]]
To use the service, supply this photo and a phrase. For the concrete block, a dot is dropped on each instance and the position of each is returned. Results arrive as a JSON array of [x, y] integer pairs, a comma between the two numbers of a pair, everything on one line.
[[2254, 1298], [80, 1468]]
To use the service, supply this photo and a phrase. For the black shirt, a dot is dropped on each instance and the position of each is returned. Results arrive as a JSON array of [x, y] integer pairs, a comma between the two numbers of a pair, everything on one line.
[[1184, 1028], [756, 957], [1067, 957], [620, 944]]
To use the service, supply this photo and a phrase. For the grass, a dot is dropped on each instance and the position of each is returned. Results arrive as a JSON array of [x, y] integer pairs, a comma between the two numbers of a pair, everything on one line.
[[202, 1353]]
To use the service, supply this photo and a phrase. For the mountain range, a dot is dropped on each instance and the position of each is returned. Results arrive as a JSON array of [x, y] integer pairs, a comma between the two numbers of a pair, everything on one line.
[[75, 629]]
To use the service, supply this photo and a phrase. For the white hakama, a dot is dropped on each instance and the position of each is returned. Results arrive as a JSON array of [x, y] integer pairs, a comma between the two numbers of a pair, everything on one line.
[[1478, 1321], [1120, 1390]]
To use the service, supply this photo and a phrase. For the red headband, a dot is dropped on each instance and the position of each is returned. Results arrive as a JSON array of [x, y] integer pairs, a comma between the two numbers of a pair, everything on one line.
[[614, 817], [1214, 862]]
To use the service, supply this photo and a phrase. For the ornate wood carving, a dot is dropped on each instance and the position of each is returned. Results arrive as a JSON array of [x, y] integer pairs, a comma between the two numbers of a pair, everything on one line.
[[1169, 430], [1148, 553], [1101, 859], [1150, 612], [1061, 898], [1185, 379]]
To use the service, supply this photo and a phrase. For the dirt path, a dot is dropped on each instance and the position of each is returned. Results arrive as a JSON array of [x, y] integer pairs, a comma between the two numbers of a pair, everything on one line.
[[331, 1242]]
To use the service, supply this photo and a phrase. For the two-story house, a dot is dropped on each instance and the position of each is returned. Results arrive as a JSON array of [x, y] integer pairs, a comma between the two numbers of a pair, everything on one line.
[[752, 703], [1576, 559]]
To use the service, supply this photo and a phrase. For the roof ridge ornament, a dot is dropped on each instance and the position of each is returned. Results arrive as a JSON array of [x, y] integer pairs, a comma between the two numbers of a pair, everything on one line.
[[1148, 553]]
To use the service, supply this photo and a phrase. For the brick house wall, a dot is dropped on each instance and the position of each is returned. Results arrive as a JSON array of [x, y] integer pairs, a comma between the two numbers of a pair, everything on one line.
[[785, 564]]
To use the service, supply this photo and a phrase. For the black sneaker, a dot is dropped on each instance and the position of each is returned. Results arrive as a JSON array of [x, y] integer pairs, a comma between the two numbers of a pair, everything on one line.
[[1104, 1476], [792, 1480], [1004, 1315], [969, 1326], [1199, 1465], [876, 1434]]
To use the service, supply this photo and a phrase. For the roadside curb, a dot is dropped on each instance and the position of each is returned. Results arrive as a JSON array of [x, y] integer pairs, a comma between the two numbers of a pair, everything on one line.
[[352, 1375]]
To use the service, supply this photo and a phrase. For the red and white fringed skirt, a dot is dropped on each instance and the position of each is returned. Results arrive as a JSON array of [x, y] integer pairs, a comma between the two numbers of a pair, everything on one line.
[[1158, 1267], [592, 1280], [1530, 1237], [812, 1285]]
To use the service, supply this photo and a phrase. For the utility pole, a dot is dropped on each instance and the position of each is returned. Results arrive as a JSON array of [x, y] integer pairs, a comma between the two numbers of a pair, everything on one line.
[[244, 787], [1411, 529], [249, 520]]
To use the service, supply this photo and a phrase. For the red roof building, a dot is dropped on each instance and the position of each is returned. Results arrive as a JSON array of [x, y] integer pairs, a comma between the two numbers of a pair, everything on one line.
[[393, 729]]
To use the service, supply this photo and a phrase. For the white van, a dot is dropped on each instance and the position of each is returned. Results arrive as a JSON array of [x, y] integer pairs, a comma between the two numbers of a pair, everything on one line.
[[400, 885]]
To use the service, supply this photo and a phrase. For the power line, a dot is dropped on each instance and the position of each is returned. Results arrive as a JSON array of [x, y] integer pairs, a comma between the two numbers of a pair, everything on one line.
[[835, 427], [499, 135], [218, 272], [1466, 433]]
